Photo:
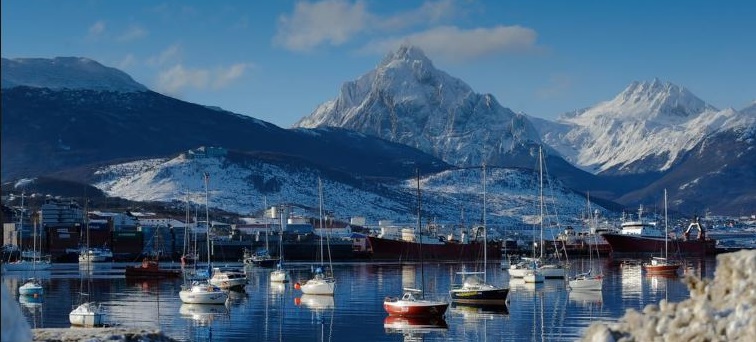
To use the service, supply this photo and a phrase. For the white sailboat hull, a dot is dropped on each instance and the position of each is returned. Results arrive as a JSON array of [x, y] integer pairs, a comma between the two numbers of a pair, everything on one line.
[[319, 287], [592, 284], [31, 288], [87, 315], [24, 265]]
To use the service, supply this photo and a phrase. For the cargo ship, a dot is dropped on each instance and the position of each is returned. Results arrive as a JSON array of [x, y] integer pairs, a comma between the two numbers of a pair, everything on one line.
[[306, 247], [642, 238], [404, 244]]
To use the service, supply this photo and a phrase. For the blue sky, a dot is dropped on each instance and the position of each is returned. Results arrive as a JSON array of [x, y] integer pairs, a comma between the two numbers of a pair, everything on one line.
[[278, 60]]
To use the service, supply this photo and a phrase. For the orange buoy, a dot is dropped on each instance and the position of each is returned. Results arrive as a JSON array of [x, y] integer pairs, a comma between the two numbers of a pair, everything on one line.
[[296, 285], [297, 301]]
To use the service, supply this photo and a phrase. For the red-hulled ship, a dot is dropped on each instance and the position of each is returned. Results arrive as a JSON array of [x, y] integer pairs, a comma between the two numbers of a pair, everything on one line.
[[404, 245], [150, 269], [641, 238]]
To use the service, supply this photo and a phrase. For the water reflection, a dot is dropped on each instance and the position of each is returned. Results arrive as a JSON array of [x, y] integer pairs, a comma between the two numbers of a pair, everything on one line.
[[414, 328], [472, 311], [203, 314], [316, 302], [274, 312], [586, 298]]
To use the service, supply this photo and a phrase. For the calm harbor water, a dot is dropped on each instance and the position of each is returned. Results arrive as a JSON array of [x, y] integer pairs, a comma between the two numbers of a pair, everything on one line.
[[278, 312]]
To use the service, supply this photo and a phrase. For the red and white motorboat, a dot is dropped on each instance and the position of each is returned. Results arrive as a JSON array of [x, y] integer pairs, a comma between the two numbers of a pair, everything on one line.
[[412, 306]]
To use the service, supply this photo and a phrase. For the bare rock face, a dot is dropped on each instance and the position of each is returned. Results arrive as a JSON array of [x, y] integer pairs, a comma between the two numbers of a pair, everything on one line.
[[723, 309], [14, 326]]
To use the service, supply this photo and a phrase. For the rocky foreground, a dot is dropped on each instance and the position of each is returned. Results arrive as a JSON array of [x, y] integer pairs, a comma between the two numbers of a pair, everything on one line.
[[16, 329], [99, 335], [722, 309]]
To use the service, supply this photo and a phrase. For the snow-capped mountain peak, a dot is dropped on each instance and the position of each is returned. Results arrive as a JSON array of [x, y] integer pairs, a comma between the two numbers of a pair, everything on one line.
[[662, 98], [657, 101], [407, 100], [66, 73], [648, 127], [406, 54]]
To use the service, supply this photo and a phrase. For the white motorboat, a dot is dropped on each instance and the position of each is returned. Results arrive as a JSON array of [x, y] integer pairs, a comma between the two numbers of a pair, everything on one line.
[[202, 293], [228, 279]]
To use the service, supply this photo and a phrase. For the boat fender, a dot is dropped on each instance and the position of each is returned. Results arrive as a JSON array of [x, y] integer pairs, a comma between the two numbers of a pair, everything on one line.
[[297, 285]]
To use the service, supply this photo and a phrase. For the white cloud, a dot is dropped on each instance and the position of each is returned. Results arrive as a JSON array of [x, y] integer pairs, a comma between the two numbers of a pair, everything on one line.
[[330, 21], [97, 29], [169, 55], [173, 80], [127, 61], [133, 33], [455, 44], [558, 85], [224, 76], [430, 12]]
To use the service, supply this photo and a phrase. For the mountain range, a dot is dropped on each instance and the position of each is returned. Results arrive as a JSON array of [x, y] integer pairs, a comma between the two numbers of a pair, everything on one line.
[[74, 119]]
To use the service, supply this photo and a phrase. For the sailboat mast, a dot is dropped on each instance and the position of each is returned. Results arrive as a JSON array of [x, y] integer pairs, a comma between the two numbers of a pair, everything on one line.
[[267, 227], [485, 228], [540, 194], [666, 232], [21, 223], [420, 231], [186, 224], [320, 200], [207, 220]]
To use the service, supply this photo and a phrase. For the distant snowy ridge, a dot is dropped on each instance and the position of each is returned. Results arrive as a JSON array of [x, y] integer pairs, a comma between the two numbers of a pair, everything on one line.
[[73, 73], [405, 99], [646, 128]]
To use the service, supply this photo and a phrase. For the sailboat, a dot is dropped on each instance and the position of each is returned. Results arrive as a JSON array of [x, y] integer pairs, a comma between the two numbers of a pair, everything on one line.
[[33, 287], [189, 255], [202, 291], [534, 269], [588, 280], [262, 258], [663, 265], [320, 284], [474, 290], [547, 268], [30, 260], [280, 275], [87, 313], [413, 302]]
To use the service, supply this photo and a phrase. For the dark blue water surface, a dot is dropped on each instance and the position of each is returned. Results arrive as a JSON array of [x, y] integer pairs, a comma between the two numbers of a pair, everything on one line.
[[278, 312]]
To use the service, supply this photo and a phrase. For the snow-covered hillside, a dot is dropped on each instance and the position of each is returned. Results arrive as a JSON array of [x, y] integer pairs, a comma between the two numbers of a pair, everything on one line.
[[448, 197], [66, 73]]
